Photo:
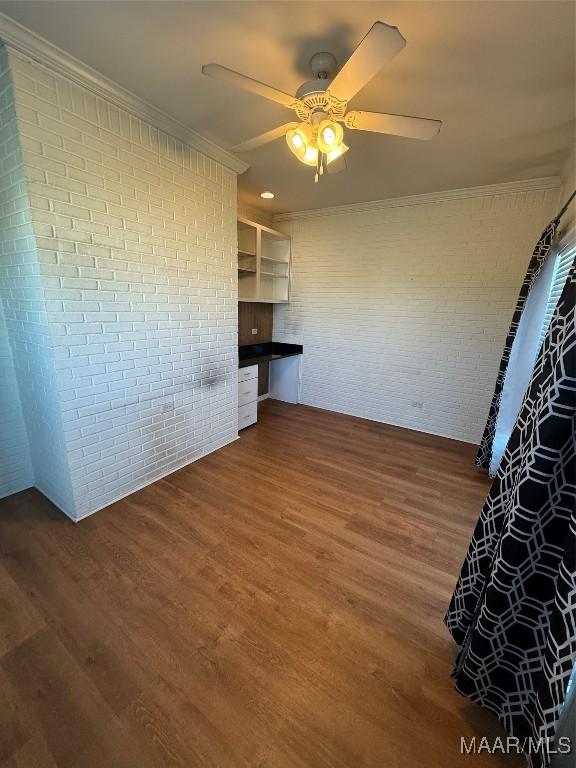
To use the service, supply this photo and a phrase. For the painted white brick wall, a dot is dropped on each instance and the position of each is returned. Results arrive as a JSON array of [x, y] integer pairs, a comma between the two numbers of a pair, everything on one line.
[[403, 311], [255, 214], [568, 186], [15, 464], [136, 246], [35, 454]]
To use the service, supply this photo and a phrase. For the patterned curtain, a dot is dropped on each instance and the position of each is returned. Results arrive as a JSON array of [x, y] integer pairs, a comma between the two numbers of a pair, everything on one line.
[[514, 608], [536, 263]]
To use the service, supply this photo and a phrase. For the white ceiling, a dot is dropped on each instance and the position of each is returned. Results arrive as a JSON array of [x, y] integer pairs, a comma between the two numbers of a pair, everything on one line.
[[499, 74]]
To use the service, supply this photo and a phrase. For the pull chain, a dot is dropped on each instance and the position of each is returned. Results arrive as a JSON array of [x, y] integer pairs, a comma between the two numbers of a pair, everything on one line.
[[319, 167]]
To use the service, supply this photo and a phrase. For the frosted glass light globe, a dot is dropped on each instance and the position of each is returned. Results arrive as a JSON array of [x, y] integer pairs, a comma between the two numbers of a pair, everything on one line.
[[328, 135]]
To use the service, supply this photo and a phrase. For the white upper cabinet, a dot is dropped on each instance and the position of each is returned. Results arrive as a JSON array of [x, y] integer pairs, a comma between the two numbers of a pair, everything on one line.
[[263, 263]]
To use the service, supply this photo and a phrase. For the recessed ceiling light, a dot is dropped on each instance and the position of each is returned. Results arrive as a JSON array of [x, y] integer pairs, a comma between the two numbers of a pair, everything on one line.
[[267, 195]]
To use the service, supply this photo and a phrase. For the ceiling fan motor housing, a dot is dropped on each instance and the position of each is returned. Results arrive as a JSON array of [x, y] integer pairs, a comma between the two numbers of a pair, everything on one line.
[[314, 95], [323, 65], [312, 87]]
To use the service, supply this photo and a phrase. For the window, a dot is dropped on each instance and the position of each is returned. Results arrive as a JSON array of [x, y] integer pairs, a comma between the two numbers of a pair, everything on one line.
[[564, 259], [533, 326]]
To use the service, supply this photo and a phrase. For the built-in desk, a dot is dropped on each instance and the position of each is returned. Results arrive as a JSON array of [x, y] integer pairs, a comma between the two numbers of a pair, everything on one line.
[[251, 354], [284, 362]]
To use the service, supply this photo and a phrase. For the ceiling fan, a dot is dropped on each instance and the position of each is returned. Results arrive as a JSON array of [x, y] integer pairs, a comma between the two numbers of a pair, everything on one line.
[[322, 103]]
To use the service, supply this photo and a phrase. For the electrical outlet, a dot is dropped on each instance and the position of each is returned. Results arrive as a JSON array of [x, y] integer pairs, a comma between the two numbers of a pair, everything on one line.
[[417, 403], [167, 407], [254, 331]]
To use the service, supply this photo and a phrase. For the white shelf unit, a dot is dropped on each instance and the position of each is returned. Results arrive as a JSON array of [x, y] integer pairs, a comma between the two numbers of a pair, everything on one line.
[[263, 264]]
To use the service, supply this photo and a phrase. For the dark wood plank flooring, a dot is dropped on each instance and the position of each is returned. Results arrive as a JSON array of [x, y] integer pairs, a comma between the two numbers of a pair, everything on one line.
[[277, 604]]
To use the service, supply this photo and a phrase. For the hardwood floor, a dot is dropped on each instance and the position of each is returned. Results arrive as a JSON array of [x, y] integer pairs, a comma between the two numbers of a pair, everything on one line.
[[277, 604]]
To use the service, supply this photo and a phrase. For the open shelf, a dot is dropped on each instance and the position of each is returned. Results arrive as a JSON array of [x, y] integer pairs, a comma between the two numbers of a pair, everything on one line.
[[271, 258], [273, 274], [263, 263]]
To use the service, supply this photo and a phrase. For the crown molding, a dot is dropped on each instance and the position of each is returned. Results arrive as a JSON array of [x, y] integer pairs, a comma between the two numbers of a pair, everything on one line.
[[509, 187], [23, 41]]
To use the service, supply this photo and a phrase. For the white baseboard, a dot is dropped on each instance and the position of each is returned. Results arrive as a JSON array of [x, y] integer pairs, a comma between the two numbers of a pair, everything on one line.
[[155, 479], [139, 487], [392, 424], [52, 501]]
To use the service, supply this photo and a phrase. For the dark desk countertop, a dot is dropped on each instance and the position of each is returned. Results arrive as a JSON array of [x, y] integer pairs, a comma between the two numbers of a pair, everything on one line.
[[251, 354]]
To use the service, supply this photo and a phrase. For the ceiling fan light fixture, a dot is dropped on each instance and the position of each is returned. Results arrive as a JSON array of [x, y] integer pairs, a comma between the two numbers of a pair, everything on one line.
[[297, 140], [334, 153], [310, 156], [330, 136], [321, 104], [302, 143]]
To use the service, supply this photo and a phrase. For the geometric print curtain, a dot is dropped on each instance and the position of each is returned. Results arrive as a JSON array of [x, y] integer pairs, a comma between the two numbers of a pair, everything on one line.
[[539, 255], [513, 612]]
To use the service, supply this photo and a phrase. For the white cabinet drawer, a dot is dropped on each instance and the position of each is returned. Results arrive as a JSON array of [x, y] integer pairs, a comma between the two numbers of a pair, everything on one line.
[[251, 372], [247, 414], [247, 391]]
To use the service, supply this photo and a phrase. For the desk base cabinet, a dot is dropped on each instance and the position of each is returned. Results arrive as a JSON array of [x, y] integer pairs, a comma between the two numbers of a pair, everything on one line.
[[247, 396]]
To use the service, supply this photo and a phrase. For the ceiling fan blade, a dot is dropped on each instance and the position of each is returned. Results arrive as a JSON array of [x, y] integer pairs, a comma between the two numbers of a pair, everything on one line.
[[380, 45], [264, 138], [337, 165], [248, 84], [398, 125]]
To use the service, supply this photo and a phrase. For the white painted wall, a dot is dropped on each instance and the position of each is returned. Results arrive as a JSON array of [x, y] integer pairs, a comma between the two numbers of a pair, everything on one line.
[[568, 186], [33, 440], [135, 259], [403, 306], [15, 464], [258, 215]]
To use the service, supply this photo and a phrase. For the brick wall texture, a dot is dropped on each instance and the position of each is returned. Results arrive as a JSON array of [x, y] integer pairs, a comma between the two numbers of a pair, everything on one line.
[[403, 309], [133, 253]]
